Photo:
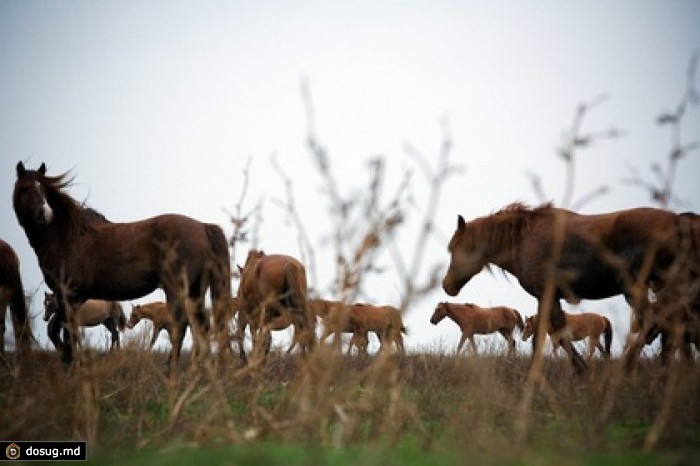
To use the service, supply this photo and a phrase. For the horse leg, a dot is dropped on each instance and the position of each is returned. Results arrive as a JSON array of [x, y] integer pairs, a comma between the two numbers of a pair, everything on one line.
[[558, 322], [154, 336], [239, 335], [295, 340], [462, 340], [510, 340], [399, 342], [598, 345], [112, 328], [176, 336], [472, 343]]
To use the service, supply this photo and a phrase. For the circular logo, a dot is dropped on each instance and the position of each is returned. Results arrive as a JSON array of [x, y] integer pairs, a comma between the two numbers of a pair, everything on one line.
[[12, 451]]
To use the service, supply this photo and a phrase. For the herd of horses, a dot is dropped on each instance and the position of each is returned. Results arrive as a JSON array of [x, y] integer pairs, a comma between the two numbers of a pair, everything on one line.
[[650, 256]]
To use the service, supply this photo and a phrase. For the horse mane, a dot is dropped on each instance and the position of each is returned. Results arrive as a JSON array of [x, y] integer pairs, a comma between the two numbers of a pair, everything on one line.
[[506, 226], [79, 218]]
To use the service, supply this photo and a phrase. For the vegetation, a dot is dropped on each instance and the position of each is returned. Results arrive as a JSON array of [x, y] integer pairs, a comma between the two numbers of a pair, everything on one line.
[[421, 408]]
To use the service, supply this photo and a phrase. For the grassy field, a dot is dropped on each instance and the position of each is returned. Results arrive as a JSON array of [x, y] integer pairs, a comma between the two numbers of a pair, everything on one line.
[[421, 408]]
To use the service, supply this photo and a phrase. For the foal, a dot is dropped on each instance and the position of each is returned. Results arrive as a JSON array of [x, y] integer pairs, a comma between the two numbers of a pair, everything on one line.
[[473, 319], [578, 327], [158, 313], [360, 319]]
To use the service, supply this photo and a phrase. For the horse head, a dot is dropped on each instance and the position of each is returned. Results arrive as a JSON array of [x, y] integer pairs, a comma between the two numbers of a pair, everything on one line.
[[529, 330], [466, 259], [440, 312], [29, 197], [135, 316]]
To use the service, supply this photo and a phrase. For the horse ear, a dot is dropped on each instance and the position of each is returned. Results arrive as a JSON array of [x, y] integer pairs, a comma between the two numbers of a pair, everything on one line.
[[20, 169], [42, 169], [240, 269], [460, 222]]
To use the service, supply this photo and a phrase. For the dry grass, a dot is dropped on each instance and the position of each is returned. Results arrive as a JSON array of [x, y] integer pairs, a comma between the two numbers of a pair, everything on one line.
[[121, 401]]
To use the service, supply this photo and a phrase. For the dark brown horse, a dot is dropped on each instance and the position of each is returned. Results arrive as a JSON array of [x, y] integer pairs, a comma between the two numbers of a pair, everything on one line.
[[269, 285], [83, 256], [587, 325], [476, 320], [12, 296], [558, 254], [683, 312], [91, 313]]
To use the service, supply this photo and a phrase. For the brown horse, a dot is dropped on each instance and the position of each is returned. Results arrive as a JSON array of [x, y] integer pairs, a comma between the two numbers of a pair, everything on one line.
[[85, 257], [683, 313], [262, 330], [271, 284], [158, 313], [587, 325], [360, 319], [12, 296], [91, 313], [476, 320], [558, 254]]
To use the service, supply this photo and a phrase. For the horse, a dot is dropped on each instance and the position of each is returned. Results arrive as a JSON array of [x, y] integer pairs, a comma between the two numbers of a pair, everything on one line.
[[271, 284], [83, 256], [684, 313], [476, 320], [91, 313], [158, 313], [587, 325], [281, 322], [12, 296], [360, 319], [559, 254]]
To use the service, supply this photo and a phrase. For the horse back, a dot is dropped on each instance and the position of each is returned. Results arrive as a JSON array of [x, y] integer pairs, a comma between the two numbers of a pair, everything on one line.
[[93, 312], [275, 280], [157, 311]]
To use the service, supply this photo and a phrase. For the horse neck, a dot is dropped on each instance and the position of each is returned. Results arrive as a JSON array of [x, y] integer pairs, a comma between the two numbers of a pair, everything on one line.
[[456, 315], [504, 238], [51, 243]]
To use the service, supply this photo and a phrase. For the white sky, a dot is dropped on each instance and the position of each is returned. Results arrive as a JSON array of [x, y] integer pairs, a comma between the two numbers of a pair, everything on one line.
[[157, 106]]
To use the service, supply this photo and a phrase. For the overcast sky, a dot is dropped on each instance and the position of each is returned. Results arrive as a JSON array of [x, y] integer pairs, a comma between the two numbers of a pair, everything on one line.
[[157, 106]]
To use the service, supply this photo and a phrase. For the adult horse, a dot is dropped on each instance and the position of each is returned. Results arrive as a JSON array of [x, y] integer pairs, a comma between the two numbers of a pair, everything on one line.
[[12, 296], [84, 257], [271, 284], [473, 319], [91, 313], [558, 254], [587, 325]]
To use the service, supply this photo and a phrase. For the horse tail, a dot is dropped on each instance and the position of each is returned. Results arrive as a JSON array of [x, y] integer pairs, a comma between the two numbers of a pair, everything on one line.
[[121, 317], [294, 290], [221, 258], [293, 296], [18, 308], [221, 276], [607, 335]]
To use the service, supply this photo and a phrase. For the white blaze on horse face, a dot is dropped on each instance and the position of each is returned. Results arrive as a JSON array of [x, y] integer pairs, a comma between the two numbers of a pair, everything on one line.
[[46, 211]]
